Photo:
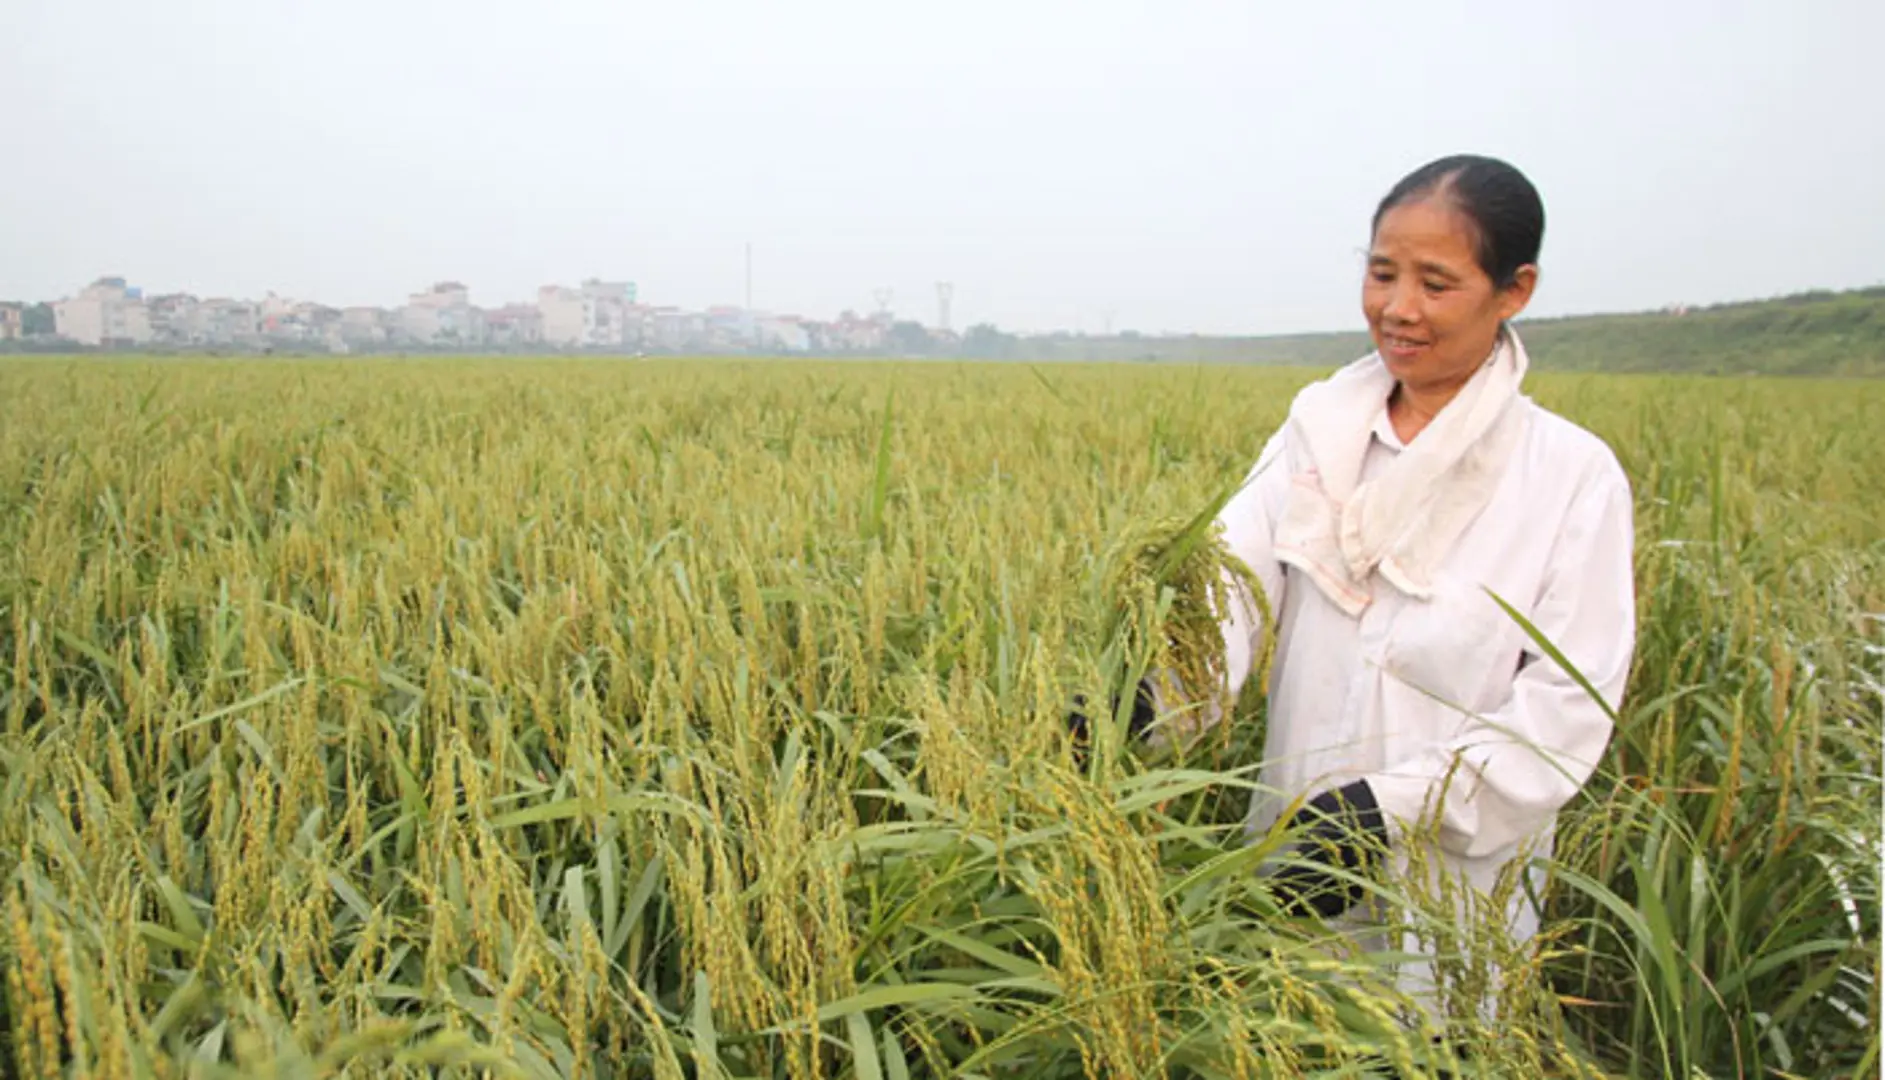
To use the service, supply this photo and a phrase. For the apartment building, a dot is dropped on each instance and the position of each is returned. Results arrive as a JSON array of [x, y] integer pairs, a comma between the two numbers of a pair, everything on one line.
[[107, 311], [513, 326], [442, 315], [597, 314]]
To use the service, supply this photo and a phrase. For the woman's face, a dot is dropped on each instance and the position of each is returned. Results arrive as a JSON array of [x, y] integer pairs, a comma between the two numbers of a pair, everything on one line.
[[1433, 313]]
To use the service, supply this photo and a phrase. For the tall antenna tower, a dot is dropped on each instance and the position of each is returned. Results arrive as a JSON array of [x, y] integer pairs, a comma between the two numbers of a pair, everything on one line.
[[882, 296], [945, 291], [749, 275]]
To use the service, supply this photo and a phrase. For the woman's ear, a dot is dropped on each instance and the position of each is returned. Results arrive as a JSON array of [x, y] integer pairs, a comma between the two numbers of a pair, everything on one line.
[[1514, 297]]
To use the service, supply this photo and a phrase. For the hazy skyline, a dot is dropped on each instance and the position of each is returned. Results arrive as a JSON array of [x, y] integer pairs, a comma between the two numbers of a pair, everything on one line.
[[1184, 166]]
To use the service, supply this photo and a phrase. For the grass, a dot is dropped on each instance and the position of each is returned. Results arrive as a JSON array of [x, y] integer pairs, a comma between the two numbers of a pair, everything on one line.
[[1807, 334], [559, 719]]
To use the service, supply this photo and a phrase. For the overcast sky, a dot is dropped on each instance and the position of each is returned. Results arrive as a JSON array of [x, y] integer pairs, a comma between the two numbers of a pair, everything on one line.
[[1165, 165]]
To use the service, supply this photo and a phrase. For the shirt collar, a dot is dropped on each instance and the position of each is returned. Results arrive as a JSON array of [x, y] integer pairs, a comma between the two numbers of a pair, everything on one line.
[[1384, 430]]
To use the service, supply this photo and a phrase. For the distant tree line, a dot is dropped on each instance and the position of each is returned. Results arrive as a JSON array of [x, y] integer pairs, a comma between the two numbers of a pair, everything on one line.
[[1816, 333]]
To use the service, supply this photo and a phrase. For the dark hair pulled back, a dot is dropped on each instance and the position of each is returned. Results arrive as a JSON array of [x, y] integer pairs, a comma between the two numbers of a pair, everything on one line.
[[1502, 204]]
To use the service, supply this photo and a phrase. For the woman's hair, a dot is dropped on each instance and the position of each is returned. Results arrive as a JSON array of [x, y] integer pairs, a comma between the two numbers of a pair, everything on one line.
[[1503, 206]]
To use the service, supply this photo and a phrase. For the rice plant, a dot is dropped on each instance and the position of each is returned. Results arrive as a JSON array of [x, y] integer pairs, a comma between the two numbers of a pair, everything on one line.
[[586, 719]]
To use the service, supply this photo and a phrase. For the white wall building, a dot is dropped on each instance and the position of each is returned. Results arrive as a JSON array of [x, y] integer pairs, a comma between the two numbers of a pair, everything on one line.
[[606, 306], [675, 330], [228, 322], [105, 312], [560, 316], [512, 326], [783, 333], [598, 314], [173, 318], [441, 316]]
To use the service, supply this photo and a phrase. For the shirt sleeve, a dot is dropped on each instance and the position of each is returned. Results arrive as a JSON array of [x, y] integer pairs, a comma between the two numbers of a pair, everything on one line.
[[1248, 525], [1505, 776]]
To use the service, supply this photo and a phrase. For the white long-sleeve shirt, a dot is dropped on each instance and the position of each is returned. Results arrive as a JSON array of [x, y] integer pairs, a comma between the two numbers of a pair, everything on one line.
[[1445, 706]]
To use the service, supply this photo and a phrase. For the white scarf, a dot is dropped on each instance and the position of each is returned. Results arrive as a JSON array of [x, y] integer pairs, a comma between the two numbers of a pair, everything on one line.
[[1338, 531]]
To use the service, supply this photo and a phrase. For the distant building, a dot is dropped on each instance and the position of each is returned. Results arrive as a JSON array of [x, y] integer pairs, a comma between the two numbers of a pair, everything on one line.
[[106, 312], [363, 327], [638, 326], [731, 328], [173, 319], [783, 333], [318, 323], [442, 315], [283, 321], [222, 321], [852, 333], [273, 306], [606, 307], [675, 330], [604, 312], [595, 316], [513, 326], [560, 316], [667, 327], [623, 291]]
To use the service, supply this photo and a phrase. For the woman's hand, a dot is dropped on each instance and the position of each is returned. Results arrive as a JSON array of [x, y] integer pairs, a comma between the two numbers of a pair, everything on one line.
[[1342, 828]]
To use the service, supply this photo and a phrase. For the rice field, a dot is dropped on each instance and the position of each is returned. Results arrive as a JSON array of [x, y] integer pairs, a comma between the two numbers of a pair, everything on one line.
[[705, 719]]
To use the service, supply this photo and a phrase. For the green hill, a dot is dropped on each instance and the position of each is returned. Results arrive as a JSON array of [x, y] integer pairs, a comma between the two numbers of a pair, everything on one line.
[[1821, 333], [1818, 333]]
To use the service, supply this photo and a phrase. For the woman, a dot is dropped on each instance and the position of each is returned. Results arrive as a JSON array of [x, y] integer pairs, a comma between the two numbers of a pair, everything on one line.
[[1400, 496]]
